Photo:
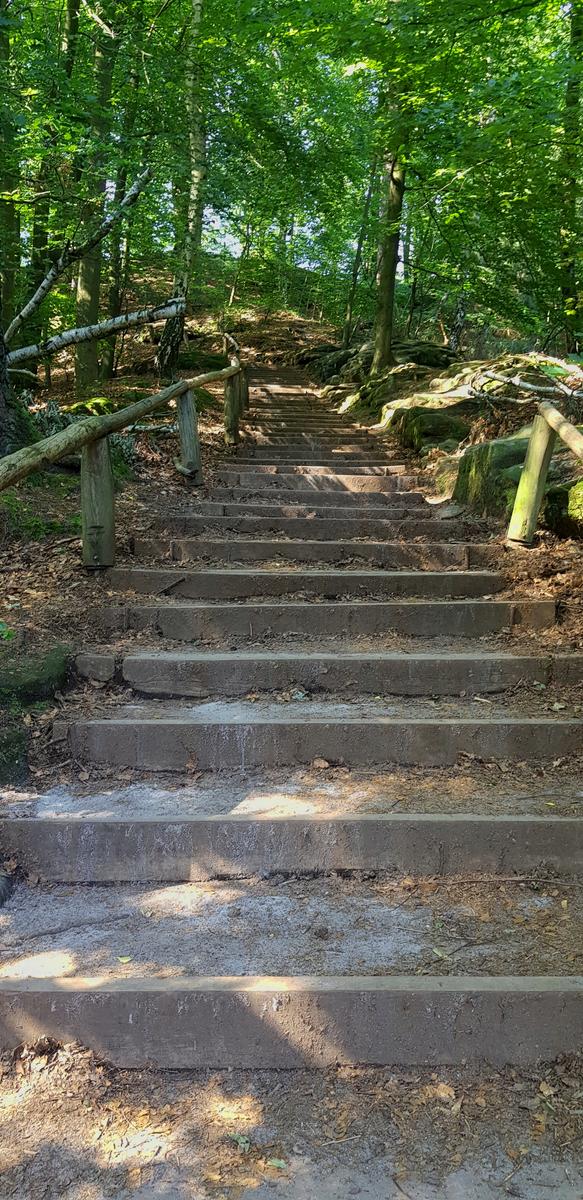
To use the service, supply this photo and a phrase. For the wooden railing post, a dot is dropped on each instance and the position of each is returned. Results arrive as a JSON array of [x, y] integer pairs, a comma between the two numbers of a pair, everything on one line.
[[232, 411], [97, 505], [190, 453], [532, 483], [244, 389]]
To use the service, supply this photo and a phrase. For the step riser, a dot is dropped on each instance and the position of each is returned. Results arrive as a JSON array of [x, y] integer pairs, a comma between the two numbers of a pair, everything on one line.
[[344, 462], [250, 1023], [407, 676], [390, 556], [170, 851], [231, 585], [171, 745], [415, 619]]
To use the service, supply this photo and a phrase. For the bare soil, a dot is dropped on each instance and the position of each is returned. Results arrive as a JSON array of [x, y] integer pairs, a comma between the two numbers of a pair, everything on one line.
[[75, 1128]]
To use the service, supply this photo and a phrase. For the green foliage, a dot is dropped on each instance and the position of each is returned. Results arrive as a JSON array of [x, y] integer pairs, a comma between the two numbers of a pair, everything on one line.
[[299, 102]]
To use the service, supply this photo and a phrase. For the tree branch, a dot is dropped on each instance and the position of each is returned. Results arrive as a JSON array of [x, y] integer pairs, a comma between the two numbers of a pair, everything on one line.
[[72, 337], [71, 254]]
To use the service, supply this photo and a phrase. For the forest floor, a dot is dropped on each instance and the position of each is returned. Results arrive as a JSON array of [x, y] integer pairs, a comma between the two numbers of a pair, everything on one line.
[[77, 1129]]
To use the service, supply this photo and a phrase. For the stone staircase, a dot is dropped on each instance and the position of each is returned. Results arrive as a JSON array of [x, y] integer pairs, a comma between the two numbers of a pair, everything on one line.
[[324, 724]]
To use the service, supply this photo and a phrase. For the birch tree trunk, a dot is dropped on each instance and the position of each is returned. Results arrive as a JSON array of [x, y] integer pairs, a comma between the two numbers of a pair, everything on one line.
[[174, 328], [569, 181], [89, 277], [394, 184]]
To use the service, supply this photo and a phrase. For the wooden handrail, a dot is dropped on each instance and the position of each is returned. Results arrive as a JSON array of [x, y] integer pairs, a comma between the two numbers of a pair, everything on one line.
[[91, 435], [546, 425]]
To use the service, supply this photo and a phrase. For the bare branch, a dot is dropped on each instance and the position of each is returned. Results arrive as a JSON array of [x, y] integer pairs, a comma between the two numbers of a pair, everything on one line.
[[72, 337], [71, 254], [517, 382]]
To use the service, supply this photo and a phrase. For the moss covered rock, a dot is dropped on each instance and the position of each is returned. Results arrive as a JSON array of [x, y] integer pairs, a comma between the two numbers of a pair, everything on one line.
[[421, 428], [487, 476], [33, 678], [563, 509], [13, 750]]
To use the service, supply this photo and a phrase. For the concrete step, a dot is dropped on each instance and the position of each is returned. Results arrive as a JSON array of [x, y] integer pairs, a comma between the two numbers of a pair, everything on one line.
[[412, 618], [255, 438], [398, 523], [315, 458], [223, 734], [312, 526], [290, 489], [300, 440], [201, 673], [147, 846], [388, 555], [400, 503], [232, 467], [230, 584], [322, 481], [130, 972]]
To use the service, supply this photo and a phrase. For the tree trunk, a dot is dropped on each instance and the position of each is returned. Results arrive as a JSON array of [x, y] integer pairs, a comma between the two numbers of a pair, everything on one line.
[[89, 277], [9, 176], [4, 390], [116, 268], [245, 252], [356, 264], [174, 329], [389, 258], [71, 35], [569, 184]]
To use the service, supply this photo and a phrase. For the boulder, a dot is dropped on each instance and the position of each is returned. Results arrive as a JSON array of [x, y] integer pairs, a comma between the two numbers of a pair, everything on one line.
[[421, 428], [563, 509]]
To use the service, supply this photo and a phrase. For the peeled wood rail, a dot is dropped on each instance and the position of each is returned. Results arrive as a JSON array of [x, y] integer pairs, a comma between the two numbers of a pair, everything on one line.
[[91, 437], [546, 426]]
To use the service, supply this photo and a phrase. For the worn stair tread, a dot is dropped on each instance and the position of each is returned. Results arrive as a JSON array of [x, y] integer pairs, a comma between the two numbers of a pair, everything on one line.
[[234, 546], [267, 508], [427, 523], [222, 583], [395, 490], [315, 793], [230, 469], [322, 927]]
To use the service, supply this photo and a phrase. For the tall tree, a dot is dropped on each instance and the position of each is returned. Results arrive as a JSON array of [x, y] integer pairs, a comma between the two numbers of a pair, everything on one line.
[[570, 181], [191, 239]]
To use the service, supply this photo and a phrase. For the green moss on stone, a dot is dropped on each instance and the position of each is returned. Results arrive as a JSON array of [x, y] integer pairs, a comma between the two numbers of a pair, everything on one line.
[[32, 678], [421, 428], [563, 509], [13, 750], [483, 482]]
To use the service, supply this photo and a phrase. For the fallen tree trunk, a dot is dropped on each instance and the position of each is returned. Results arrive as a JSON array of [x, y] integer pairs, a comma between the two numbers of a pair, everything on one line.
[[72, 337], [74, 437]]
